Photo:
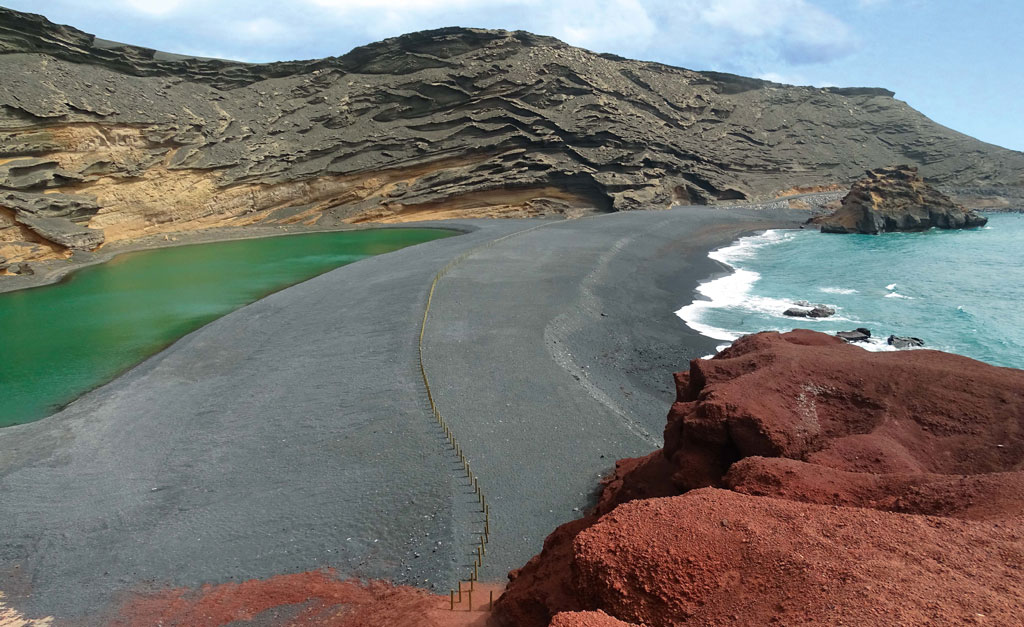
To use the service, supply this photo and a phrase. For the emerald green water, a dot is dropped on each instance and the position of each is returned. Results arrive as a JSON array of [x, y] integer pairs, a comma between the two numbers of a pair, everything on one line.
[[59, 341]]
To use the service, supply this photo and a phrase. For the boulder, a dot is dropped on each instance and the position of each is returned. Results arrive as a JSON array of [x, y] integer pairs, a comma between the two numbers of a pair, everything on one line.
[[897, 199], [860, 334], [812, 397], [905, 342], [804, 480], [817, 311]]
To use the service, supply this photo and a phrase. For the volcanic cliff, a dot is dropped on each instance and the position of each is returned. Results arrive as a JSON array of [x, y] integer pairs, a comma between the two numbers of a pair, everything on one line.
[[805, 481], [896, 199], [101, 141]]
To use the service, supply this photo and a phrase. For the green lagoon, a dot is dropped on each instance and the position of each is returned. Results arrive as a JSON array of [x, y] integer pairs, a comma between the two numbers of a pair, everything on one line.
[[59, 341]]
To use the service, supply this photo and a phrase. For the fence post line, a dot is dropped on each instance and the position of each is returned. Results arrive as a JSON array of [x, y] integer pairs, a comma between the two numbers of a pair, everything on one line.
[[439, 418]]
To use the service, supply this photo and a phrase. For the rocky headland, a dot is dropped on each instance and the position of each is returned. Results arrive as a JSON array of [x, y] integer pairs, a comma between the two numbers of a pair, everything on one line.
[[897, 199], [804, 480], [107, 142]]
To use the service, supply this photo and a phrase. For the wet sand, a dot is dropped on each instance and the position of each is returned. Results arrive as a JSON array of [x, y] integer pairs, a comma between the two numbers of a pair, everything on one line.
[[294, 434]]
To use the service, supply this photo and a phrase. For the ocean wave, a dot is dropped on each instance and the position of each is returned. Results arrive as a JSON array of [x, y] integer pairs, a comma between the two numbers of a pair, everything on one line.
[[735, 291], [747, 247], [727, 291], [890, 287], [837, 290], [898, 295]]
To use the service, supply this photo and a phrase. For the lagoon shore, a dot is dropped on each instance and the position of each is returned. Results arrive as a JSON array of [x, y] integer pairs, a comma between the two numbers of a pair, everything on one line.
[[294, 434]]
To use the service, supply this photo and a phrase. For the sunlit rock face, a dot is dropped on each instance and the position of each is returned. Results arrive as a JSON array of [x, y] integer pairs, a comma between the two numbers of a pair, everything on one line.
[[447, 123], [897, 199]]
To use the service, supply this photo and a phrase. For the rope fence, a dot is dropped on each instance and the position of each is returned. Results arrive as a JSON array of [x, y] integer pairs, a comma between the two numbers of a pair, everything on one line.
[[453, 442]]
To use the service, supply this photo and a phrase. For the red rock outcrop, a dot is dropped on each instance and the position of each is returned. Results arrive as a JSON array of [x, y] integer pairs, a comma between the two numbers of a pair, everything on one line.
[[715, 557], [808, 396], [807, 435]]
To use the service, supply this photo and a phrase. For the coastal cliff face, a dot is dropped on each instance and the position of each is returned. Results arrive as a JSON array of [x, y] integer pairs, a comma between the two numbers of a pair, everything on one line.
[[897, 199], [127, 141], [804, 480]]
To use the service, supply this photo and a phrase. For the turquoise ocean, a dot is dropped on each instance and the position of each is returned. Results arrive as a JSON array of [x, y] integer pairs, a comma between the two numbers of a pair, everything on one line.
[[960, 291]]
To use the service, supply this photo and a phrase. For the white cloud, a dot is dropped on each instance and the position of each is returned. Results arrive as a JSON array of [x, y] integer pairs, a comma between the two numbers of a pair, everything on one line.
[[605, 26], [744, 36], [796, 29], [260, 29], [155, 8]]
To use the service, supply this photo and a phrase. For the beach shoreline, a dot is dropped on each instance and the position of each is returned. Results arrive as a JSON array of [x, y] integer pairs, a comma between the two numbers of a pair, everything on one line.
[[56, 270], [305, 411]]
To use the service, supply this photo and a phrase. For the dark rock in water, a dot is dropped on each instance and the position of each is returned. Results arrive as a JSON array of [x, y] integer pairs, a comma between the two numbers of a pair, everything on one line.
[[897, 199], [818, 311], [905, 342], [860, 334]]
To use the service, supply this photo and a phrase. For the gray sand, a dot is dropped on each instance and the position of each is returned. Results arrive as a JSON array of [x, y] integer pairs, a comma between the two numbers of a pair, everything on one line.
[[295, 434]]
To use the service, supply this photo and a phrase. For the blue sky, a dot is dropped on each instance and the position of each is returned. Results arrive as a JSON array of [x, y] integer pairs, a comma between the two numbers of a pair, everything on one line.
[[959, 62]]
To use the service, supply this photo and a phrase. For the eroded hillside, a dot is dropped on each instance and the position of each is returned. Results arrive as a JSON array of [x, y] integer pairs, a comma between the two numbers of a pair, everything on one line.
[[105, 142]]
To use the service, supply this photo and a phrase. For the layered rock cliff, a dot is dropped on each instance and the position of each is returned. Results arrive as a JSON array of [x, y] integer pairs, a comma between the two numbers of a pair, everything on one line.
[[130, 141], [806, 481], [897, 199]]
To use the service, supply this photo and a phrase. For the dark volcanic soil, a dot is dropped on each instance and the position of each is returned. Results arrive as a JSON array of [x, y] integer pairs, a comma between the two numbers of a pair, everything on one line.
[[294, 434]]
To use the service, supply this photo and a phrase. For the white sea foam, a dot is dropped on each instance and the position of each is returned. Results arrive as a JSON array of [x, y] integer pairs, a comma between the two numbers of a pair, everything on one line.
[[734, 290], [890, 287], [838, 290], [877, 345], [727, 291], [898, 295], [747, 247]]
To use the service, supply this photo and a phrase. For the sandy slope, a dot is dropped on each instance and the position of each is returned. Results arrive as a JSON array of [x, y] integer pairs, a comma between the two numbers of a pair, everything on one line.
[[293, 434]]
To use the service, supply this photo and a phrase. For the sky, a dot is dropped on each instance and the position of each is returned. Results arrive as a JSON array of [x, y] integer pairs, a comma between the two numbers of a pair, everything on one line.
[[960, 62]]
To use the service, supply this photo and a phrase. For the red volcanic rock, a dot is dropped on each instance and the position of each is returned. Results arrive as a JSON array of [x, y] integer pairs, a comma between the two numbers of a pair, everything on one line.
[[587, 619], [989, 496], [809, 396], [932, 440], [715, 557]]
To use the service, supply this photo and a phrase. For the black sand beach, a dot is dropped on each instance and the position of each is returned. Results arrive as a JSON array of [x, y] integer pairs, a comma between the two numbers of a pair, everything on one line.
[[295, 434]]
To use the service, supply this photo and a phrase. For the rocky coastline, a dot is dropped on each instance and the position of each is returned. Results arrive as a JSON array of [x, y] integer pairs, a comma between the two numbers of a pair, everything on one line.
[[849, 487], [281, 464], [896, 199]]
